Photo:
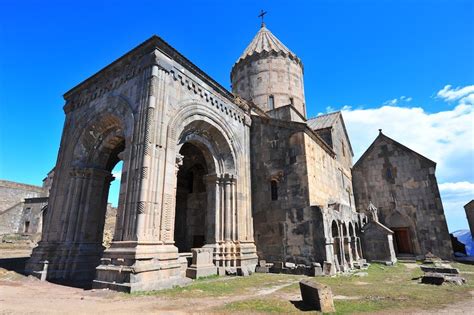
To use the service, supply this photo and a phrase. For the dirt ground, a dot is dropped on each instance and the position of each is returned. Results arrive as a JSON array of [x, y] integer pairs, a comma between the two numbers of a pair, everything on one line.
[[20, 294], [24, 295]]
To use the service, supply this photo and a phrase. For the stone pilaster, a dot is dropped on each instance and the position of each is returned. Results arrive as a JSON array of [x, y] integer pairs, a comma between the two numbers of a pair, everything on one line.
[[150, 261]]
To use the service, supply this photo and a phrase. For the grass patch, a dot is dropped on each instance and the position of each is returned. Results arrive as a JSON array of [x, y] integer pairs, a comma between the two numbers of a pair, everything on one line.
[[207, 278], [357, 306], [222, 286], [384, 288], [397, 287], [262, 306]]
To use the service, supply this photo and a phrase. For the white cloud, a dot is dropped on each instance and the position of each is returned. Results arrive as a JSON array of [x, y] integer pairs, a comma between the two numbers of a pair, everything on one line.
[[457, 188], [446, 137], [467, 100], [391, 102], [449, 94], [405, 98], [455, 196], [395, 101], [117, 175]]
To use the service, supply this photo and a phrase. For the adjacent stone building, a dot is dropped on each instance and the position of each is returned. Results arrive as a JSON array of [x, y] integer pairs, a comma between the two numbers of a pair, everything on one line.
[[302, 199], [377, 239], [19, 213], [402, 185], [469, 208]]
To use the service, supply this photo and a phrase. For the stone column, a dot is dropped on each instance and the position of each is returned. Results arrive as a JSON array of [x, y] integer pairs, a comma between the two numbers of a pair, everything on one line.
[[338, 260], [342, 255], [121, 207], [83, 229], [359, 248], [235, 218], [348, 249], [222, 207], [227, 209], [94, 206], [354, 246], [71, 204], [213, 209]]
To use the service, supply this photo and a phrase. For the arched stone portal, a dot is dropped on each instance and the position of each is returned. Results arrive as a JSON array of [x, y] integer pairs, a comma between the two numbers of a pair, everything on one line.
[[74, 246], [171, 125], [207, 193], [191, 200]]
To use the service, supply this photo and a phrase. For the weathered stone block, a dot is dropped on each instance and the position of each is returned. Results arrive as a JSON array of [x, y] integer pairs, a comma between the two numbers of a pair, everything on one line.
[[316, 270], [329, 269], [260, 269], [443, 268], [317, 295], [202, 265], [454, 280]]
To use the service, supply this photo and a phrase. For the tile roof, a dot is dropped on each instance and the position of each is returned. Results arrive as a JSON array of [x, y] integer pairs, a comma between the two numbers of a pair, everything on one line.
[[323, 121], [266, 41]]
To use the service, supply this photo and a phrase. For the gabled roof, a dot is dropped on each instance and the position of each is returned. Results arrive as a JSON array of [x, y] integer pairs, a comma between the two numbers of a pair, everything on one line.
[[381, 137], [323, 121], [467, 204], [377, 225], [265, 41], [328, 121]]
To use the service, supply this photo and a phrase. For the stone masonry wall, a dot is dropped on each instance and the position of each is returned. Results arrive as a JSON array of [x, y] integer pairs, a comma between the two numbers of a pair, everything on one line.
[[328, 181], [282, 226], [293, 227], [403, 186], [256, 78]]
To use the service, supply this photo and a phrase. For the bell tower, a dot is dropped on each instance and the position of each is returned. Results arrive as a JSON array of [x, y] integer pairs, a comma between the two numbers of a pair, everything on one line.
[[269, 74]]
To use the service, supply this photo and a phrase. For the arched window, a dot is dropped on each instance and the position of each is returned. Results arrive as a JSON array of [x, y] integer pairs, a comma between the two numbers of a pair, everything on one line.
[[271, 102], [274, 189]]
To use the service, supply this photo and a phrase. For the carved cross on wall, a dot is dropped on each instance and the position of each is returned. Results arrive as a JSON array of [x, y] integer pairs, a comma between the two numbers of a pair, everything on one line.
[[262, 15]]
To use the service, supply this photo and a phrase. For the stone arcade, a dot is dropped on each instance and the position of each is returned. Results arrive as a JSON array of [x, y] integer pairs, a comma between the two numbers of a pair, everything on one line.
[[200, 164]]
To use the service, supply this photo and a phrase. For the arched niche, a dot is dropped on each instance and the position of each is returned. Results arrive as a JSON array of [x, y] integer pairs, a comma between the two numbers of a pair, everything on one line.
[[205, 215]]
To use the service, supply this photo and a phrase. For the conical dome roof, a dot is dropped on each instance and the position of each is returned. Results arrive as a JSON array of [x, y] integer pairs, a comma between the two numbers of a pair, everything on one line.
[[265, 41]]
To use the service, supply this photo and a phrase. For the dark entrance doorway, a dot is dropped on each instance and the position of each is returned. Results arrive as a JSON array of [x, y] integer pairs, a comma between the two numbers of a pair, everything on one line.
[[402, 240], [191, 200]]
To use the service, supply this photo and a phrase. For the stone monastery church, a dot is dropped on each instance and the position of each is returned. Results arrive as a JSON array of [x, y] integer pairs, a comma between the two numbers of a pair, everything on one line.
[[229, 178]]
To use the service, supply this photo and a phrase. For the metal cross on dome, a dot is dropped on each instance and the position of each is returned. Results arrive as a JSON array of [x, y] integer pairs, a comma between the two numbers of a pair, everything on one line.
[[262, 15]]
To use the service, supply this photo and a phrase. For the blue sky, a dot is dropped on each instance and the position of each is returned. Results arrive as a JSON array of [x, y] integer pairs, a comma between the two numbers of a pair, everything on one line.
[[386, 63]]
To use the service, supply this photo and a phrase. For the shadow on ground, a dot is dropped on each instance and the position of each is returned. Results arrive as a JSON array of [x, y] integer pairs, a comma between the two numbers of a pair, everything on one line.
[[16, 264], [301, 306]]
